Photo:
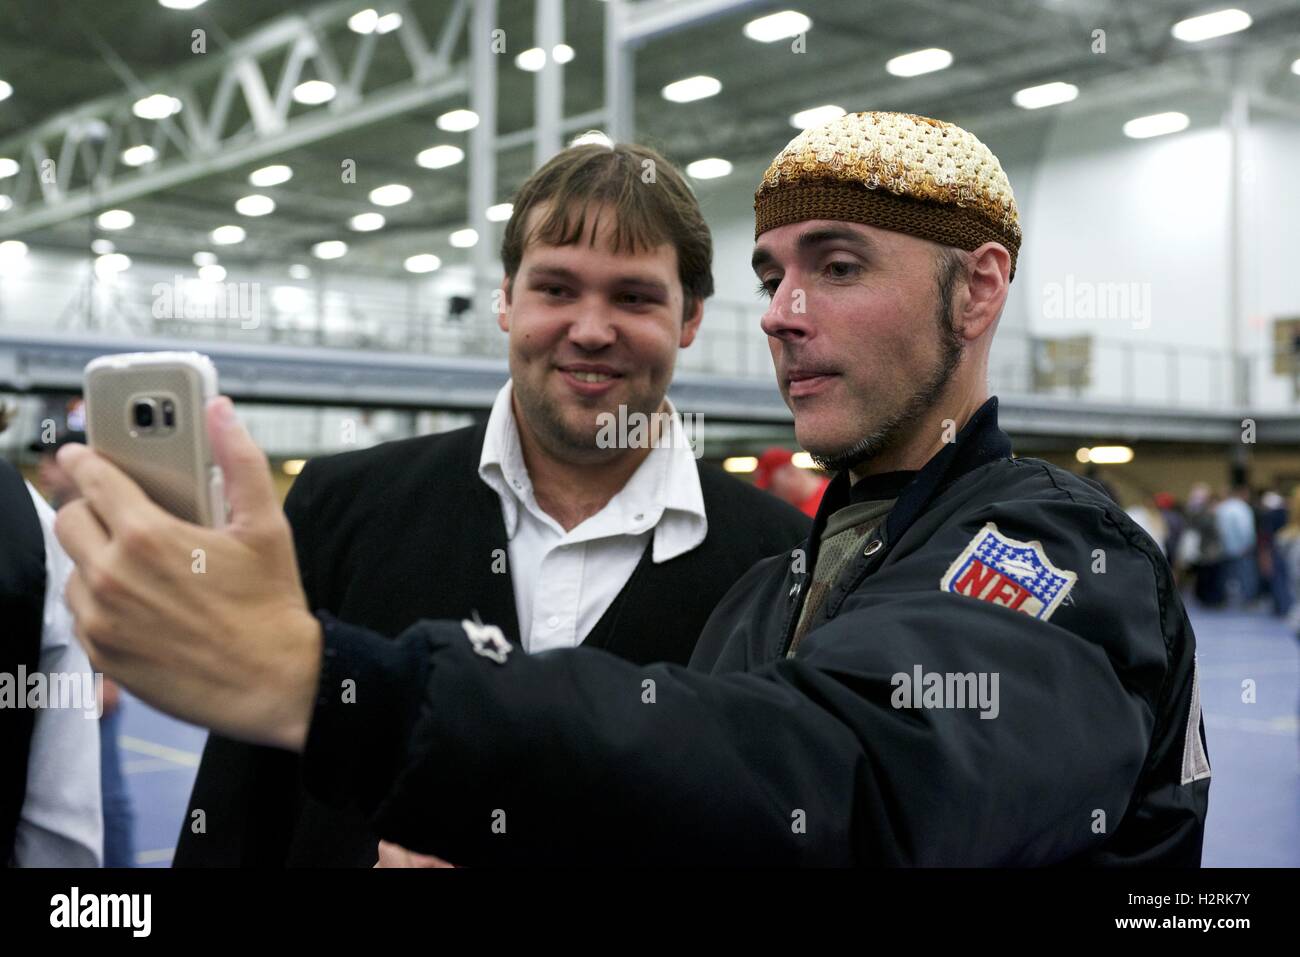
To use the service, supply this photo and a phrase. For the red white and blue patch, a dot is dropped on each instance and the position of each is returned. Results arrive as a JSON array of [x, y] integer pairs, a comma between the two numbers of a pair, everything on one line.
[[1003, 571]]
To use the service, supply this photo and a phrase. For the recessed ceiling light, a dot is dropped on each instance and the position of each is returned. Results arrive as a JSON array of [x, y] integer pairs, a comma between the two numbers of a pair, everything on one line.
[[500, 212], [436, 157], [457, 121], [312, 92], [424, 262], [690, 89], [777, 26], [6, 90], [1157, 124], [181, 4], [532, 59], [363, 21], [139, 155], [388, 23], [228, 235], [8, 167], [366, 222], [102, 247], [1210, 25], [394, 194], [919, 61], [592, 136], [816, 116], [212, 273], [156, 107], [115, 219], [330, 249], [299, 271], [6, 203], [710, 168], [204, 258], [254, 205], [463, 238], [562, 53], [1046, 94], [270, 175], [108, 266], [12, 249]]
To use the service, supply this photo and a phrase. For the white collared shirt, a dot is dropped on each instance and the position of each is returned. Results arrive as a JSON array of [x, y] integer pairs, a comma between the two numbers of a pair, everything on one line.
[[565, 581], [61, 823]]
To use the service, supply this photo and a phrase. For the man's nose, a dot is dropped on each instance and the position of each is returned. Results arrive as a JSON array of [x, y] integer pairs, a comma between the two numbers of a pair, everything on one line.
[[787, 312], [594, 326]]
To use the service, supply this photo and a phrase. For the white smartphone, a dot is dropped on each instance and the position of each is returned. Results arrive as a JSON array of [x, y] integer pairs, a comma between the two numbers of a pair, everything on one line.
[[145, 412]]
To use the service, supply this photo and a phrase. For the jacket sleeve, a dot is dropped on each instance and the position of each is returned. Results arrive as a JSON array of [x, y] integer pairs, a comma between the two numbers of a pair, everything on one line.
[[575, 756], [248, 794]]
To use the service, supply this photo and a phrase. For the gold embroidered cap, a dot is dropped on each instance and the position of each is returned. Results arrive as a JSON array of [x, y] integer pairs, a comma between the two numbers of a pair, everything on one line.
[[897, 171]]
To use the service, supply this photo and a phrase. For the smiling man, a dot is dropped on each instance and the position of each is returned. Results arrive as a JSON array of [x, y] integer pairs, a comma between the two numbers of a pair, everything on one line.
[[974, 660], [559, 531]]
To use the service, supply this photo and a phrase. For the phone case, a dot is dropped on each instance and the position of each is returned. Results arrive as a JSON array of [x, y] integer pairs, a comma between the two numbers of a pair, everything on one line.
[[175, 468]]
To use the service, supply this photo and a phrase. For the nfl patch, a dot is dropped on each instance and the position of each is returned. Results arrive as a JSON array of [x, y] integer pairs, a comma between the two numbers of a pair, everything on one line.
[[1014, 574]]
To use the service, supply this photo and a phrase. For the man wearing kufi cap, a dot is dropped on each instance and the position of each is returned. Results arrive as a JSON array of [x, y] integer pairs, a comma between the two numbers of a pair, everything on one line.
[[973, 660]]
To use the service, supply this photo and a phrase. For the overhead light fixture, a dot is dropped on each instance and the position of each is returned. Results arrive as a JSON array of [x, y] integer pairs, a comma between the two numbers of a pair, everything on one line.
[[156, 107], [363, 21], [6, 90], [690, 89], [204, 258], [1295, 67], [330, 249], [1157, 124], [592, 136], [102, 247], [388, 23], [313, 92], [919, 61], [108, 266], [8, 167], [777, 26], [366, 222], [181, 4], [532, 59], [463, 238], [816, 116], [299, 271], [394, 194], [500, 212], [424, 262], [1210, 25], [254, 205], [802, 460], [1105, 455], [436, 157], [458, 121], [710, 168], [562, 53], [212, 273], [740, 463], [270, 176], [1045, 94], [139, 155], [290, 298], [6, 204], [227, 235], [12, 249], [115, 219]]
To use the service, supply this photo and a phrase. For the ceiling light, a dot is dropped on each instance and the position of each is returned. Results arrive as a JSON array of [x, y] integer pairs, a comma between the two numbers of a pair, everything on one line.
[[1106, 454], [312, 92], [204, 258], [156, 107], [424, 262], [227, 235], [107, 267], [366, 222], [254, 205], [330, 249], [457, 121], [562, 53], [592, 136], [500, 212], [8, 167], [212, 273], [388, 23], [919, 61], [139, 155], [1046, 94], [6, 90], [436, 157], [363, 22], [777, 26], [1157, 124], [299, 271], [115, 219], [1210, 25], [816, 116], [270, 176], [181, 4], [6, 204], [691, 88], [532, 59], [710, 168], [463, 238], [394, 194], [12, 249], [102, 247], [740, 463]]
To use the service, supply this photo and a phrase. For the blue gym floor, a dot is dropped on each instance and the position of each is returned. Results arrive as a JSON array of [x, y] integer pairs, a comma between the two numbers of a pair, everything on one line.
[[1254, 818]]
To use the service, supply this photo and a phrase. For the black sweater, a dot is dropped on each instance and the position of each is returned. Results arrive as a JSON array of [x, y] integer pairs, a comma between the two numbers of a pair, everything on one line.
[[406, 531]]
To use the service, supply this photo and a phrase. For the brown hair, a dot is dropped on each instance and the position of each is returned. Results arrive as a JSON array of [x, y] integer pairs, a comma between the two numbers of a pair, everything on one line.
[[652, 205]]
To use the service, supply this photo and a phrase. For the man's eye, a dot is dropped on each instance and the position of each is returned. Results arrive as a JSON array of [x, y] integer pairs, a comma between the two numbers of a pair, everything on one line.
[[766, 288], [842, 270], [558, 291]]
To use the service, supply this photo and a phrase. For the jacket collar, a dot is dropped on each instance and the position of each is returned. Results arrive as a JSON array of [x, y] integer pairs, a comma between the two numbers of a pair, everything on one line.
[[979, 442]]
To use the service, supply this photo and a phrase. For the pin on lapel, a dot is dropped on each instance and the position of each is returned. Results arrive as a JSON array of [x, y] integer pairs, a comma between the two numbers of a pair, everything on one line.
[[487, 640]]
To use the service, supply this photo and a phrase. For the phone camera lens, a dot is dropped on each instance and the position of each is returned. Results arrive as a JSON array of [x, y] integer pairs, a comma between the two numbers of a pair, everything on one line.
[[144, 414], [169, 413]]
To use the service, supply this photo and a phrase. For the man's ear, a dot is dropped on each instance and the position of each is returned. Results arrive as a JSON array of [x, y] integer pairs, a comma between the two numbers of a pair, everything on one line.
[[503, 312], [691, 324], [984, 291]]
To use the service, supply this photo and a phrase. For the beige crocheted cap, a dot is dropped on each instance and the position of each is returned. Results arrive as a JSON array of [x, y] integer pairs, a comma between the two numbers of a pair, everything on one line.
[[897, 171]]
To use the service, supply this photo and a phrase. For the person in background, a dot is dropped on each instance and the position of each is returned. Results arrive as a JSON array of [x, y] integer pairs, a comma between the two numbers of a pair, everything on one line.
[[1287, 549], [1151, 520], [1275, 583], [1175, 524], [1200, 548], [777, 473], [59, 490], [1235, 520]]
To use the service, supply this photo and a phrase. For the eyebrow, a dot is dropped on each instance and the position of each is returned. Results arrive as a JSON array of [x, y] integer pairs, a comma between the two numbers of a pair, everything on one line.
[[645, 283], [819, 237]]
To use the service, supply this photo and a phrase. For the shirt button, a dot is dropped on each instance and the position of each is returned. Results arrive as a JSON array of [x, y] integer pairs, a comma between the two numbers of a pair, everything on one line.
[[638, 516], [874, 547], [553, 621], [518, 484]]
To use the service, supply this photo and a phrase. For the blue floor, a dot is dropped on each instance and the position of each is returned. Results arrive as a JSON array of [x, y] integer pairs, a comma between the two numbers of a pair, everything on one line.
[[1254, 817]]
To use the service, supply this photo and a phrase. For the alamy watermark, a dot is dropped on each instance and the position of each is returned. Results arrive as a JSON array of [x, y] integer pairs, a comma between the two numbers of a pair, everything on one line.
[[943, 690], [196, 299], [1084, 299], [641, 430], [64, 690]]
